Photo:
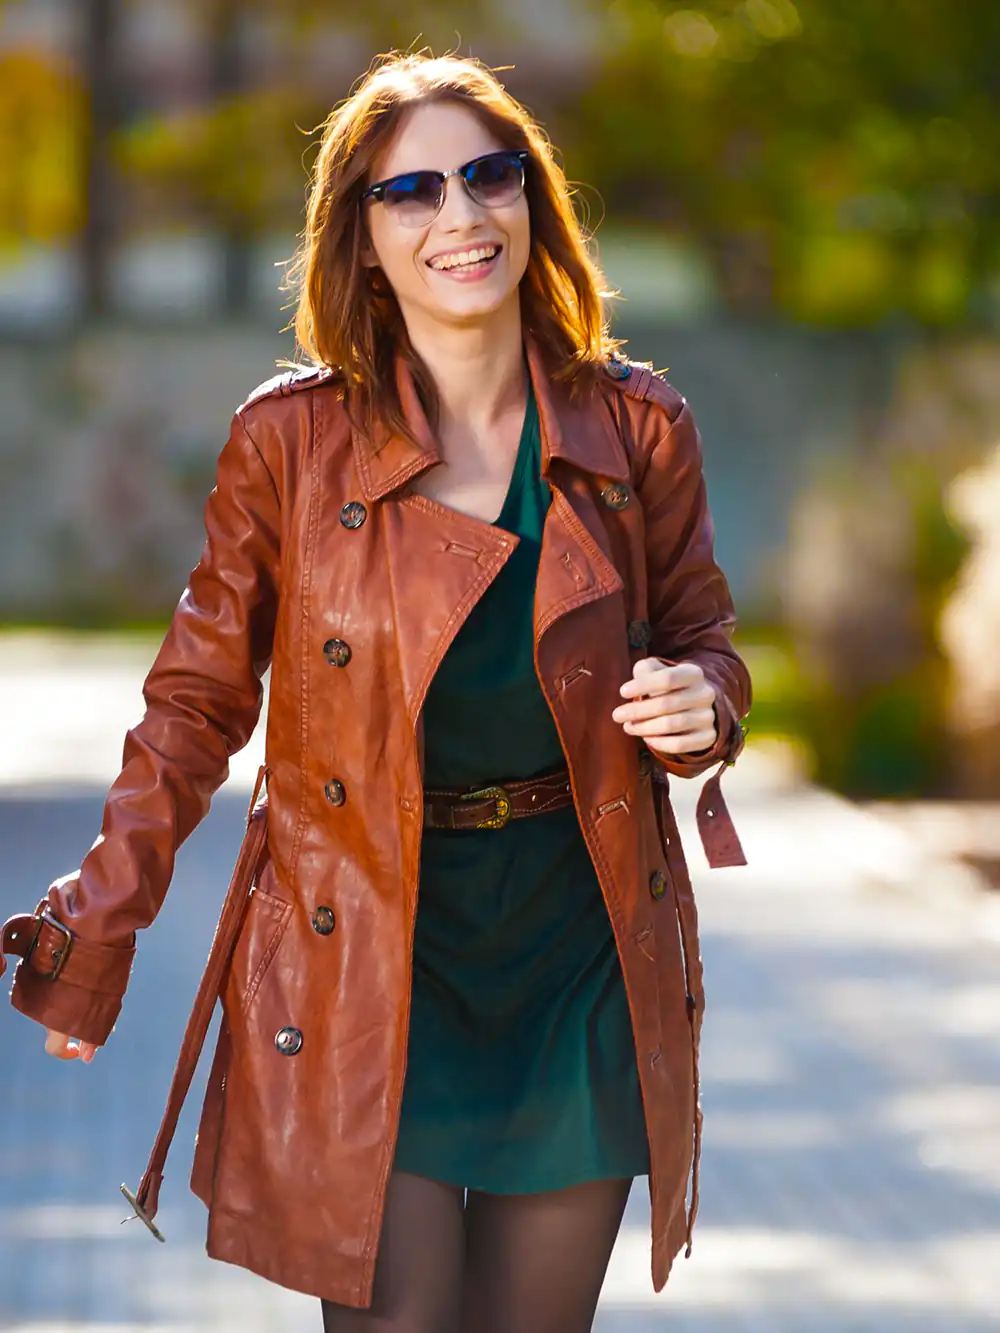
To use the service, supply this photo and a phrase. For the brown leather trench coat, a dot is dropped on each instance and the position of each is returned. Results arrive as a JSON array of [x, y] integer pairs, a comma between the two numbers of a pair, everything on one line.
[[322, 563]]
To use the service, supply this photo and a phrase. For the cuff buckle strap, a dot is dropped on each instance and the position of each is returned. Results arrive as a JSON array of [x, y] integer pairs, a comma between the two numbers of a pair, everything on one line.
[[57, 956]]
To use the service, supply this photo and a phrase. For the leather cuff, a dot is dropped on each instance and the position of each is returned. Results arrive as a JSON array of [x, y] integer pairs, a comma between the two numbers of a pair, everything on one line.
[[51, 950]]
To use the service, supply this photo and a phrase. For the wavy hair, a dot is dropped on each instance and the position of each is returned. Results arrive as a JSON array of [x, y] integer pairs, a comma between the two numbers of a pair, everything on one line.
[[347, 317]]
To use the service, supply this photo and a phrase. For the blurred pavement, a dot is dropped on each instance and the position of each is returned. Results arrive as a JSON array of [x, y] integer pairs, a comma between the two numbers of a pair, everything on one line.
[[851, 1062]]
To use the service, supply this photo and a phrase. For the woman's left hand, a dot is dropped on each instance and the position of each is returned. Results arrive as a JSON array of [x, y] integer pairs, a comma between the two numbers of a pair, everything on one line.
[[673, 709]]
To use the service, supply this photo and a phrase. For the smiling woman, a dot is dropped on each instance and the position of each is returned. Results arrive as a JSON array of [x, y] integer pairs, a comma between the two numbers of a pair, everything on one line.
[[425, 122], [459, 958]]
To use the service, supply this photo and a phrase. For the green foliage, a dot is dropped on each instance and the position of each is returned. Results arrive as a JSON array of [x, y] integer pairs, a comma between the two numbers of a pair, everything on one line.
[[838, 158], [42, 182], [882, 731]]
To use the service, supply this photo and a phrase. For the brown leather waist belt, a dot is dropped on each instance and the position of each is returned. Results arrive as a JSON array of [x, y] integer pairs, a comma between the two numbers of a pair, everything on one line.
[[494, 806]]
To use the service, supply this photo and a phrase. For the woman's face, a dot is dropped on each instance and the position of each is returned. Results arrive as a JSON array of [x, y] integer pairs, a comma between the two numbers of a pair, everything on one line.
[[434, 269]]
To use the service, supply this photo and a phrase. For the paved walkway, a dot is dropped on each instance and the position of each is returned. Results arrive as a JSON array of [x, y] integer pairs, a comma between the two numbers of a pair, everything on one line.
[[851, 1175]]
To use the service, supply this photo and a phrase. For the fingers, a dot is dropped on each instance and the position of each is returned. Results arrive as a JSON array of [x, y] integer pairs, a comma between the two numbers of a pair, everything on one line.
[[695, 722], [58, 1044], [671, 707], [678, 703], [651, 676], [689, 743], [64, 1047]]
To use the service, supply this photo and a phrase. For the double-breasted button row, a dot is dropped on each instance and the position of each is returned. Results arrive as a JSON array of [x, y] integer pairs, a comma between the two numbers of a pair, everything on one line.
[[338, 653], [288, 1041]]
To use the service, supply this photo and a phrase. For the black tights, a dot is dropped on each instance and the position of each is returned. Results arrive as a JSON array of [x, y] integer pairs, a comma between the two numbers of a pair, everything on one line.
[[497, 1263]]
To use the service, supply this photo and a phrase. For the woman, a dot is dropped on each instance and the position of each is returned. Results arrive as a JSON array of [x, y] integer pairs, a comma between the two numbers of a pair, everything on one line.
[[474, 547]]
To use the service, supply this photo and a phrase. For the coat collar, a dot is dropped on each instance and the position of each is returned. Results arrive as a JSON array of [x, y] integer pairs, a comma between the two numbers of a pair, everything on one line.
[[580, 431]]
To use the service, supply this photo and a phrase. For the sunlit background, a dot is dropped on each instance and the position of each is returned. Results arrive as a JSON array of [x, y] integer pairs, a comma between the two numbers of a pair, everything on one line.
[[798, 202]]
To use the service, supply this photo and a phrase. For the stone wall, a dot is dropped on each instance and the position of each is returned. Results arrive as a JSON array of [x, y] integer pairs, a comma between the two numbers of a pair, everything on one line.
[[108, 444]]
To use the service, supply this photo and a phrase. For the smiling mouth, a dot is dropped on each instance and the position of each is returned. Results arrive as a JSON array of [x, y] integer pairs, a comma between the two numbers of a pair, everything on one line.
[[465, 261]]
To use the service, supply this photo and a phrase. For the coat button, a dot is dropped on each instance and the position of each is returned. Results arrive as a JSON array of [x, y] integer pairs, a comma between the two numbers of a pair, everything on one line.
[[657, 884], [618, 370], [645, 762], [616, 495], [288, 1041], [324, 921], [640, 634], [336, 792], [353, 514], [337, 652]]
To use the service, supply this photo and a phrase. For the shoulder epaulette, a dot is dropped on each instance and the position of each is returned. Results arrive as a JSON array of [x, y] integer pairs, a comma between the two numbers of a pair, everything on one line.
[[639, 380], [288, 382]]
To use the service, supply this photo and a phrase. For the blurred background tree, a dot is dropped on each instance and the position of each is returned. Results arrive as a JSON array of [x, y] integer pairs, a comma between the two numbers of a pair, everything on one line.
[[824, 168], [838, 159], [832, 160]]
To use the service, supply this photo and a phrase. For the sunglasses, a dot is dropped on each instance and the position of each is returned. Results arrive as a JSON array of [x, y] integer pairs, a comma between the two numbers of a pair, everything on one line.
[[416, 197]]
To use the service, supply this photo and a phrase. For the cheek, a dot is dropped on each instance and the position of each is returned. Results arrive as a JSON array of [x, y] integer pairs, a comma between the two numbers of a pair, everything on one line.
[[519, 233], [395, 250]]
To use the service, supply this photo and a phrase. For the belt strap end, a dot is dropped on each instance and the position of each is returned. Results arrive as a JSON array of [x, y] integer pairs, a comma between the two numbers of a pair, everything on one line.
[[147, 1213]]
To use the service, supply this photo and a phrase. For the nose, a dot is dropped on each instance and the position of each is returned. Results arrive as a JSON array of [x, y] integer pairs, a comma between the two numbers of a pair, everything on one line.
[[458, 209]]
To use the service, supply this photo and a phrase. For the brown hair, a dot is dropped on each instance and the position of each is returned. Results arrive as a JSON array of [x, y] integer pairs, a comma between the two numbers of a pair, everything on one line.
[[346, 315]]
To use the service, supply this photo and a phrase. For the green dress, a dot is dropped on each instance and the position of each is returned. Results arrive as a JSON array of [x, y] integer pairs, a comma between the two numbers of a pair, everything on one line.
[[521, 1072]]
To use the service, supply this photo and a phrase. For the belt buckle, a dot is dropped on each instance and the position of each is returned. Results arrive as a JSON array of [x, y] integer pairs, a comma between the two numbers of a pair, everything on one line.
[[140, 1213], [60, 955], [502, 802]]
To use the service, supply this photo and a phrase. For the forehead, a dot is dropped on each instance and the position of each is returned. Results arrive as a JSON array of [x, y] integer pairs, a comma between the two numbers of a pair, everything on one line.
[[434, 136]]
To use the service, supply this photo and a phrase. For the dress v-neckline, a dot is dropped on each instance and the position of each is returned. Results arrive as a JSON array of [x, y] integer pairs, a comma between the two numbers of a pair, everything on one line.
[[524, 452]]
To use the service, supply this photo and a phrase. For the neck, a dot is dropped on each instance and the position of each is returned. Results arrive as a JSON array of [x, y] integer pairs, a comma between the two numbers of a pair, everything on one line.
[[478, 370]]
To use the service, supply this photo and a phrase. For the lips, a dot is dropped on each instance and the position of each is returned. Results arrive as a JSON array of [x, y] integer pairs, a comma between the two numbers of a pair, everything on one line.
[[464, 260]]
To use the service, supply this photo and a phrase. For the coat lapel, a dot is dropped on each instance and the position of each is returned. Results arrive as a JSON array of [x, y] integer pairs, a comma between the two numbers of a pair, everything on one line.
[[579, 442], [440, 564], [441, 561]]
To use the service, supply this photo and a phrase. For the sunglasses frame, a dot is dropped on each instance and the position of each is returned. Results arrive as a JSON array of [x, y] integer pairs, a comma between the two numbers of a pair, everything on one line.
[[520, 155]]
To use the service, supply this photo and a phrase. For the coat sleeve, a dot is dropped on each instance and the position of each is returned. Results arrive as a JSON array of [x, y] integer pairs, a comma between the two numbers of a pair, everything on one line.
[[203, 698], [690, 607]]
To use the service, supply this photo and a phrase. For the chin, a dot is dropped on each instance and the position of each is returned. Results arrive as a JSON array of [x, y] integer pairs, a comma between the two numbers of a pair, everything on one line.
[[474, 309]]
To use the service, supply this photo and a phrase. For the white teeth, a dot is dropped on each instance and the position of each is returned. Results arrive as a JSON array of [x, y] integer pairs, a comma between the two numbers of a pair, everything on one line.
[[464, 257]]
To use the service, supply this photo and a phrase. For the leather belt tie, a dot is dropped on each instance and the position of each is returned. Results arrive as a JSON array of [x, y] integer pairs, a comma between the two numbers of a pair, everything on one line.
[[494, 806]]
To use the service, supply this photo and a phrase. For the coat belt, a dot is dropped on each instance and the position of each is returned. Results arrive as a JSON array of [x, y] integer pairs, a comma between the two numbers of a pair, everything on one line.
[[145, 1200]]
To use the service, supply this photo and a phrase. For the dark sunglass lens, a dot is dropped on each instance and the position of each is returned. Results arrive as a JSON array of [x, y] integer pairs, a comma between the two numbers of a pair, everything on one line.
[[415, 196], [496, 180]]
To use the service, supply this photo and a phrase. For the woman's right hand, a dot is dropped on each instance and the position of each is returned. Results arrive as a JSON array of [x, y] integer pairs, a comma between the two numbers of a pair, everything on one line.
[[68, 1048]]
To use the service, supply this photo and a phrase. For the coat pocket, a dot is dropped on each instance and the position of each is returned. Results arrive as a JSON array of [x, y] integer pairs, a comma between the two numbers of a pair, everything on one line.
[[263, 927]]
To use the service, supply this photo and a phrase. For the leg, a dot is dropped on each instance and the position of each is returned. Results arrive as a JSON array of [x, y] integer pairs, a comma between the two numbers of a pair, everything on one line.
[[418, 1271], [537, 1261]]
